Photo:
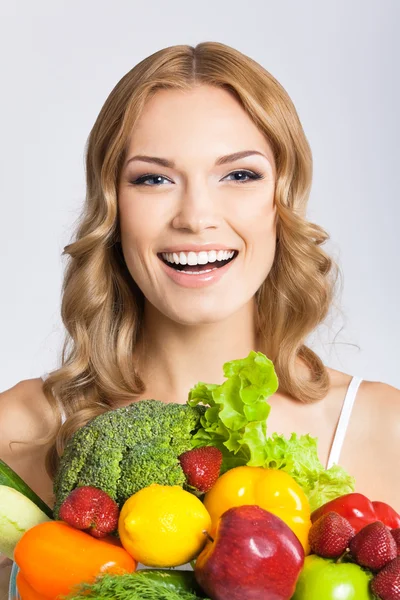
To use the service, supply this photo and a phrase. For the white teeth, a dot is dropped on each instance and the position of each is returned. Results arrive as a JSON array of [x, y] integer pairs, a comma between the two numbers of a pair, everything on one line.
[[197, 258], [202, 258]]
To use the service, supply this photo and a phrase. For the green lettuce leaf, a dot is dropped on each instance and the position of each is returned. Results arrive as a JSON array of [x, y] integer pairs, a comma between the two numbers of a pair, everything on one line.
[[298, 456], [329, 485], [236, 423], [236, 420]]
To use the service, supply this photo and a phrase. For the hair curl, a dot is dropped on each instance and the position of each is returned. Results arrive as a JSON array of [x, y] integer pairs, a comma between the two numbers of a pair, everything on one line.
[[102, 307]]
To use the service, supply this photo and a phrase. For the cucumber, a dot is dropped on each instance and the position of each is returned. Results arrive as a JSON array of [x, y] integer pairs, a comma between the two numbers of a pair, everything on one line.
[[174, 579], [10, 478]]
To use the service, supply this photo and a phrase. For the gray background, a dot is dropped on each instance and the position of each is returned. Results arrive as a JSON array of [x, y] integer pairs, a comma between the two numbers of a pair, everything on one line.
[[339, 63]]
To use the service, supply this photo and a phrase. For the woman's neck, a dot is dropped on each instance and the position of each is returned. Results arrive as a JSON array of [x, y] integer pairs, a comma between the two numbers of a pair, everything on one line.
[[171, 357]]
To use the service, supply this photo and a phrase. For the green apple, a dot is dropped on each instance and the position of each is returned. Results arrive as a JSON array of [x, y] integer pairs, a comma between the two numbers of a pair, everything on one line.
[[324, 578]]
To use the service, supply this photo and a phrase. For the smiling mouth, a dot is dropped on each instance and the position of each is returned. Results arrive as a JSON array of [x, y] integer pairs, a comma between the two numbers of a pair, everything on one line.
[[217, 264]]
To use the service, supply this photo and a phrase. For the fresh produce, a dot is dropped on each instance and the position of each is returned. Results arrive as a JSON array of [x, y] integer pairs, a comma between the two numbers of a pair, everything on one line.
[[9, 478], [53, 557], [271, 489], [325, 579], [17, 514], [163, 526], [127, 449], [173, 579], [386, 584], [374, 546], [396, 535], [147, 457], [201, 467], [26, 591], [385, 513], [142, 585], [359, 511], [253, 555], [235, 422], [330, 535], [91, 510]]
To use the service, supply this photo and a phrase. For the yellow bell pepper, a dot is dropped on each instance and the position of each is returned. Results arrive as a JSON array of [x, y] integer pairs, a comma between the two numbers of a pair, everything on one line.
[[271, 489]]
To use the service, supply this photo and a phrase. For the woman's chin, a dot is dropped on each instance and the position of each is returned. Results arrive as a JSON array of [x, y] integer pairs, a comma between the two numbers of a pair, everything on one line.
[[202, 312]]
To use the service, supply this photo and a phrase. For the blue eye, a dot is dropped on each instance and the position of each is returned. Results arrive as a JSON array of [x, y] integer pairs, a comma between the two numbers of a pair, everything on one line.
[[141, 180], [251, 175]]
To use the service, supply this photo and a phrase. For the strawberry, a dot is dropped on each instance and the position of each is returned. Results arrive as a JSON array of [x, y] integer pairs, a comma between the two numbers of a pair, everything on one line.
[[396, 534], [374, 546], [386, 584], [330, 535], [201, 467], [90, 509]]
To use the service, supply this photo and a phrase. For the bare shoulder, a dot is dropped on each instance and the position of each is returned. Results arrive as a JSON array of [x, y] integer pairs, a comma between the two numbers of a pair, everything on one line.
[[26, 416], [371, 451], [372, 394], [377, 410], [24, 411], [338, 379]]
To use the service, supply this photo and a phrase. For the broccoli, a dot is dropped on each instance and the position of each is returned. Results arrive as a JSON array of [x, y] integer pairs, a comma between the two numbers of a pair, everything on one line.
[[126, 449]]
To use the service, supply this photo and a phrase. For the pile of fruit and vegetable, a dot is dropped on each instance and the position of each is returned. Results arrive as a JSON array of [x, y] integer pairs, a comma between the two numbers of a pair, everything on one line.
[[151, 487]]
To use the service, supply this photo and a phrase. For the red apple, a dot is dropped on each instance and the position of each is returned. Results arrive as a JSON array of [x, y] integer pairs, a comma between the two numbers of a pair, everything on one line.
[[253, 555]]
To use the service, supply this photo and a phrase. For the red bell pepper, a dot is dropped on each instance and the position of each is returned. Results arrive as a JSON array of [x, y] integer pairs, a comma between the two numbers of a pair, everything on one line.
[[359, 511], [387, 514]]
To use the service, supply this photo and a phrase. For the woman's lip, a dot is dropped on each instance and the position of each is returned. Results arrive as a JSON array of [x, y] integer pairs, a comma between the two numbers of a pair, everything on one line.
[[195, 248], [196, 281]]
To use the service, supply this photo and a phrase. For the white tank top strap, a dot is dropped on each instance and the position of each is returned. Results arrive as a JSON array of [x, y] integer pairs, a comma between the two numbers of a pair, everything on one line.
[[63, 417], [343, 423]]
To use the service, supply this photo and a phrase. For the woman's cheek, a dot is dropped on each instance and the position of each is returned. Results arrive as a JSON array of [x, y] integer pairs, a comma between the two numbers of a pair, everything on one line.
[[256, 211]]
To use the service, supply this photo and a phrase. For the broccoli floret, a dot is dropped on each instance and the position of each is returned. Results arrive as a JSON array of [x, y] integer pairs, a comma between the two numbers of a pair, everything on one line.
[[72, 461], [126, 449], [147, 464]]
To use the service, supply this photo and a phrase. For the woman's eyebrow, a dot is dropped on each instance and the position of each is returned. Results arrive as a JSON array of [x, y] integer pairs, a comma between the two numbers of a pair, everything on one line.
[[222, 160]]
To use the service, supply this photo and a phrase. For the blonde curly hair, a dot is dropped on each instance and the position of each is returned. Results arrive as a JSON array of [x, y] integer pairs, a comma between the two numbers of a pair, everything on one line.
[[102, 307]]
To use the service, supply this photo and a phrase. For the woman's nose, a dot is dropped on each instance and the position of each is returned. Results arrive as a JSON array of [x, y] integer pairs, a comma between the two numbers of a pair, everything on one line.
[[197, 210]]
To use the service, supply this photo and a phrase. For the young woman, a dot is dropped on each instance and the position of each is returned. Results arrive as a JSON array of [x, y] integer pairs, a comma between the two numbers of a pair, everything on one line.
[[193, 249]]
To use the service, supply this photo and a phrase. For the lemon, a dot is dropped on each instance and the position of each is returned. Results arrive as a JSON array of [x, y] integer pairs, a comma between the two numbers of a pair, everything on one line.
[[163, 526]]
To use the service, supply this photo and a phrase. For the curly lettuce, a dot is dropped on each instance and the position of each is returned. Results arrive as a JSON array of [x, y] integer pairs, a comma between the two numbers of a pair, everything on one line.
[[236, 423]]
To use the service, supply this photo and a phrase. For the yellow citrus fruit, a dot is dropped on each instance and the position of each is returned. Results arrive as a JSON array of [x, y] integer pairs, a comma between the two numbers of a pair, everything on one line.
[[163, 526]]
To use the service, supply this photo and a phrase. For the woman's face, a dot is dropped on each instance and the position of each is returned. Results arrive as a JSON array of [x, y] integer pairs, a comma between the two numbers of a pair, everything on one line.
[[191, 206]]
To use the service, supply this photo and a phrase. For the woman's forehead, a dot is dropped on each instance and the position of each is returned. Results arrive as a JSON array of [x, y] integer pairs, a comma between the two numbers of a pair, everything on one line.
[[205, 122]]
